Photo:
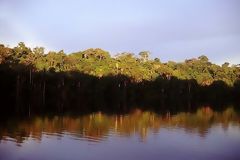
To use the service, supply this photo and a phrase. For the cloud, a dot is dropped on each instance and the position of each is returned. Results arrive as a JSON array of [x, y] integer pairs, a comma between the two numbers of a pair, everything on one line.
[[171, 30], [14, 30]]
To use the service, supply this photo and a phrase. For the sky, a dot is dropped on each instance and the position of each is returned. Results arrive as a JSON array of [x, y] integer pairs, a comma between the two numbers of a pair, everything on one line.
[[170, 30]]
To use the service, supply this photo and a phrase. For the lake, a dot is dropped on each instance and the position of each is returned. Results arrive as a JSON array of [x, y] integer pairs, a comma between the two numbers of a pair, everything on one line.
[[202, 134]]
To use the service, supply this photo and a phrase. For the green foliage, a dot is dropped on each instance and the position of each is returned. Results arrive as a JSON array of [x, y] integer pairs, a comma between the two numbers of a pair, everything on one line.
[[99, 63], [144, 55]]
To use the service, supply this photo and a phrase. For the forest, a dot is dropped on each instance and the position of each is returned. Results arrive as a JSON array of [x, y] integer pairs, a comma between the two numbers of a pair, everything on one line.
[[35, 81]]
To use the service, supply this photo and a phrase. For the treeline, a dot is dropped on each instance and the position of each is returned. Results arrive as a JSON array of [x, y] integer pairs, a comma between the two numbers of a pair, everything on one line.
[[32, 79]]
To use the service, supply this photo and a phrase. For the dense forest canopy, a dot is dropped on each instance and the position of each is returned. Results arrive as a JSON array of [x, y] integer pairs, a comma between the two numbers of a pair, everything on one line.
[[94, 80], [99, 63]]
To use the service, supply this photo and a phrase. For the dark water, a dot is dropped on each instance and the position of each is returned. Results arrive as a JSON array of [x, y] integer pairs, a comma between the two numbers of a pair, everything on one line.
[[203, 134]]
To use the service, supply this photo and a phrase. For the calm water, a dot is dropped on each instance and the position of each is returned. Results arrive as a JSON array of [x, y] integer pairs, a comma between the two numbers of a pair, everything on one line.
[[204, 134]]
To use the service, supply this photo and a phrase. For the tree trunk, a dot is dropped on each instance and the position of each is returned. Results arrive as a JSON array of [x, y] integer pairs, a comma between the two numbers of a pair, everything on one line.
[[43, 93], [30, 76], [17, 92]]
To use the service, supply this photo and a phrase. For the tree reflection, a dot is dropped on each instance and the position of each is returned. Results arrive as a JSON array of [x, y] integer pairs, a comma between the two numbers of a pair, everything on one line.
[[98, 126]]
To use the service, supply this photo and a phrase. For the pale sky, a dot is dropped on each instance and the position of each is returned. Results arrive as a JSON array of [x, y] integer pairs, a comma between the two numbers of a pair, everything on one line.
[[169, 29]]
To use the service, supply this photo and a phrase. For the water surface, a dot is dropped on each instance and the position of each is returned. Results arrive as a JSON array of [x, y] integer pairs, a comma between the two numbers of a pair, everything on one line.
[[203, 134]]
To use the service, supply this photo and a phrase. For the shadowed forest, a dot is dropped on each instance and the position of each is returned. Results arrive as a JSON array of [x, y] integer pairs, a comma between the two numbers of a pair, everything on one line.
[[34, 81]]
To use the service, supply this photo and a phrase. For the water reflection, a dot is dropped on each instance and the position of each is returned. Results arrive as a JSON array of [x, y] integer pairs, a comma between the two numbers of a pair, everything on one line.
[[98, 127]]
